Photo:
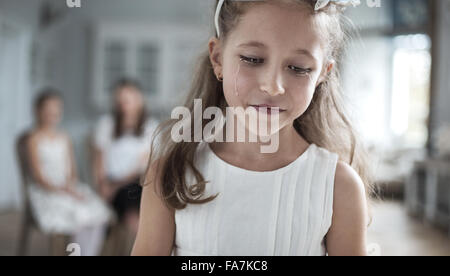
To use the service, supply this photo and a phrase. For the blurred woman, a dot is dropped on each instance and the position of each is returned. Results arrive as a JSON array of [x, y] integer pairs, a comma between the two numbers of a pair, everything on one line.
[[59, 202], [122, 147]]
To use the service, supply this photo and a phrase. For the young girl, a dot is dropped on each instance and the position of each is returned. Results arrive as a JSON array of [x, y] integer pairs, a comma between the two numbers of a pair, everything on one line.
[[122, 152], [231, 199], [60, 204]]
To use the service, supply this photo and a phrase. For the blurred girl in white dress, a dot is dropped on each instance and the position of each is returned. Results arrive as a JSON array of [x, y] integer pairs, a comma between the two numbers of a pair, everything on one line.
[[59, 202], [122, 148]]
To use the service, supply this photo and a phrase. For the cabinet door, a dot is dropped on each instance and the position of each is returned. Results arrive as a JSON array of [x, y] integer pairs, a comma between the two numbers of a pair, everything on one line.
[[147, 67], [114, 63]]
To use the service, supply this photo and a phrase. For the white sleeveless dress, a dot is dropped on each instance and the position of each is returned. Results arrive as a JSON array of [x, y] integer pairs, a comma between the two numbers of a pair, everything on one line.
[[286, 212], [58, 212]]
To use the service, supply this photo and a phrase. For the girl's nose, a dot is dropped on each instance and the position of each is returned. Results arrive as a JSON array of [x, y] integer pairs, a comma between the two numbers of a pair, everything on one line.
[[272, 82]]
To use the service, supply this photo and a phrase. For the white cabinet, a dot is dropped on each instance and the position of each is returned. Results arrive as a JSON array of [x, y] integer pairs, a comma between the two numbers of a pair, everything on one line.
[[160, 57], [428, 191]]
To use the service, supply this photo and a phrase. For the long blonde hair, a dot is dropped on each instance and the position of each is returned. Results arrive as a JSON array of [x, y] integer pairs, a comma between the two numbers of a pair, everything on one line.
[[324, 123]]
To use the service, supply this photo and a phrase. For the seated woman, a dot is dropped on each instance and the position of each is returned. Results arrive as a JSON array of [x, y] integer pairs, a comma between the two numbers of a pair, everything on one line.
[[122, 147], [59, 202]]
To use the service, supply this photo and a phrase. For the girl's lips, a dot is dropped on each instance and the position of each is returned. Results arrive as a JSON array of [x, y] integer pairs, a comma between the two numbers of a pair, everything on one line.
[[267, 108]]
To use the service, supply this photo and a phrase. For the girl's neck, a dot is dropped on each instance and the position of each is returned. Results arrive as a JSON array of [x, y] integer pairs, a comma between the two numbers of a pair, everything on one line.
[[48, 130], [130, 120], [248, 155]]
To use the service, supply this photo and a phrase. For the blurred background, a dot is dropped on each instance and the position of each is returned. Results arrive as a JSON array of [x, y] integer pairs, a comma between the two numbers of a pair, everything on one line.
[[396, 76]]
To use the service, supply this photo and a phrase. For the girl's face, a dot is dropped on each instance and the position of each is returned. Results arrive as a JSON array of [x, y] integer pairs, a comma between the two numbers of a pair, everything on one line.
[[129, 100], [50, 113], [273, 58]]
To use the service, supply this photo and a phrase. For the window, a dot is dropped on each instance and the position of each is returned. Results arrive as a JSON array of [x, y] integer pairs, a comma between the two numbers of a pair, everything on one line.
[[410, 89], [158, 56], [115, 62], [147, 68]]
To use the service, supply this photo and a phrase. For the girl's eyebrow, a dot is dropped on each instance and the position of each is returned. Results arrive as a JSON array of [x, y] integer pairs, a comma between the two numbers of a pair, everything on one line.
[[256, 44], [304, 52]]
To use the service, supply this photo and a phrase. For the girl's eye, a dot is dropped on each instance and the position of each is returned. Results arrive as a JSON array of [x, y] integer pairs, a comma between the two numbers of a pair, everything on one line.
[[257, 61], [252, 61], [300, 71]]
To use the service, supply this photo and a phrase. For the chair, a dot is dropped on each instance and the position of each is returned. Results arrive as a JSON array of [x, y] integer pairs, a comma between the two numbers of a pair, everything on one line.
[[57, 242]]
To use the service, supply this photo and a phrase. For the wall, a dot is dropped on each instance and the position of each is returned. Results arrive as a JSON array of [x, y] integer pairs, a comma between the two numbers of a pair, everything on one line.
[[441, 93], [15, 97]]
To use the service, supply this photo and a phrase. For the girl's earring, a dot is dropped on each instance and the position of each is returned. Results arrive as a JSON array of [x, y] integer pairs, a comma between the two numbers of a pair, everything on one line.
[[219, 78]]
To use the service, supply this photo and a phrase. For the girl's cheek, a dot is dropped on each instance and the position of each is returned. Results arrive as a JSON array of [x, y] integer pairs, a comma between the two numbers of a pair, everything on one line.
[[245, 81], [240, 82], [301, 94]]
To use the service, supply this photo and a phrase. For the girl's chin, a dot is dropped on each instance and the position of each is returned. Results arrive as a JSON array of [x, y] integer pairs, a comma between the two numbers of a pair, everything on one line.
[[266, 130]]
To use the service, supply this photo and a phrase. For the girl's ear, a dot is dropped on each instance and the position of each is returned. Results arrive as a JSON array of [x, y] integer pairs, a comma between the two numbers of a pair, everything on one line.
[[325, 71], [215, 55]]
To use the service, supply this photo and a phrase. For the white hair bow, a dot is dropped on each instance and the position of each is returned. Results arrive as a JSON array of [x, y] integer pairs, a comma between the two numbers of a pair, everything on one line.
[[322, 3]]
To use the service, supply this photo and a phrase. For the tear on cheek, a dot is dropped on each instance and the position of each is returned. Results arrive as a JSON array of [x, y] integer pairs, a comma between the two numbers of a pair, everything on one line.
[[308, 84], [311, 79], [236, 79]]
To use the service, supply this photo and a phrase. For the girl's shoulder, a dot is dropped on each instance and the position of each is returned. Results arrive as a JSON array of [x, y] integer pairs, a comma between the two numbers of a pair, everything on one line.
[[34, 137], [347, 181], [37, 136]]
